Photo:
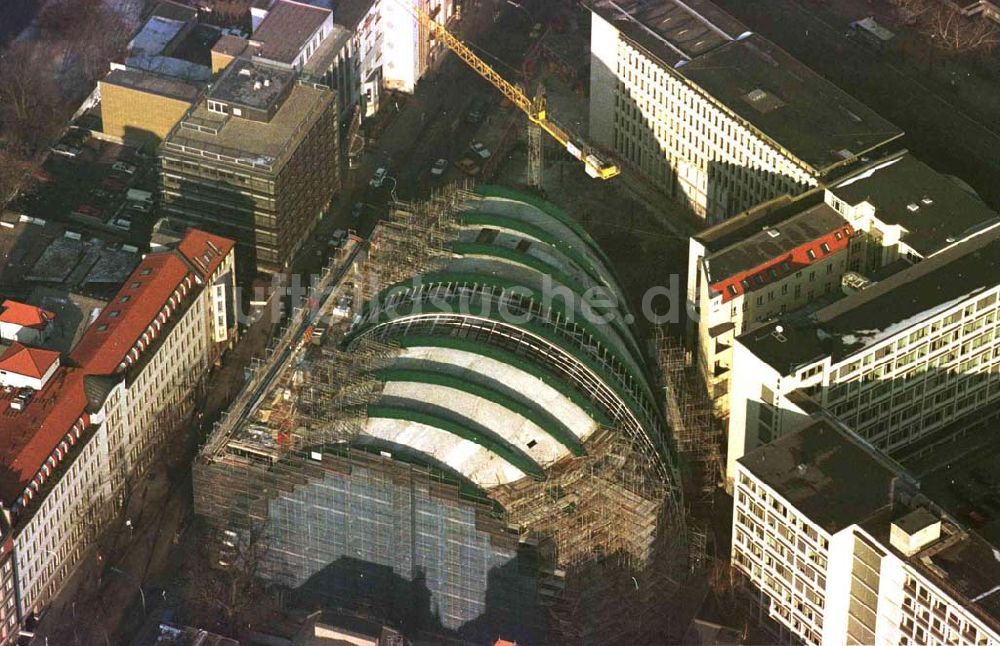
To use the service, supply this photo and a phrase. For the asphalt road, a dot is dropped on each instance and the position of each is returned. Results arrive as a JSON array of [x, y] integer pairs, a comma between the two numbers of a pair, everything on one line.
[[938, 130]]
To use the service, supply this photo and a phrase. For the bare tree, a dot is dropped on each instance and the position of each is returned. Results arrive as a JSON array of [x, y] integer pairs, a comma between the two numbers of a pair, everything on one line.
[[233, 594], [951, 31]]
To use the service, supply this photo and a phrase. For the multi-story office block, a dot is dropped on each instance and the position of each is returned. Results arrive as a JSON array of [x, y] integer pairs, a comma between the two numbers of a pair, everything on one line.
[[716, 115], [906, 211], [356, 47], [79, 430], [838, 547], [255, 160], [756, 267], [789, 256], [908, 362]]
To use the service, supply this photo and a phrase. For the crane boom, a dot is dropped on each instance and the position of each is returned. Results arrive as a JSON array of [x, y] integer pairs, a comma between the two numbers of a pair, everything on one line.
[[535, 109]]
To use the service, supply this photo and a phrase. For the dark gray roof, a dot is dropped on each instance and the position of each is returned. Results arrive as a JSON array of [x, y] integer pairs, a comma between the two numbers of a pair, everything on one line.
[[776, 241], [348, 13], [670, 30], [286, 29], [793, 106], [230, 44], [175, 11], [97, 388], [153, 83], [916, 520], [898, 185], [749, 222], [829, 477], [900, 301], [238, 84]]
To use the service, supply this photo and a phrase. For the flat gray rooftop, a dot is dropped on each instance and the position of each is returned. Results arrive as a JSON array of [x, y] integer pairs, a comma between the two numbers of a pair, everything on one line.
[[154, 84], [777, 241], [252, 143], [793, 106], [671, 30], [287, 27], [933, 208], [887, 308], [252, 85], [826, 475]]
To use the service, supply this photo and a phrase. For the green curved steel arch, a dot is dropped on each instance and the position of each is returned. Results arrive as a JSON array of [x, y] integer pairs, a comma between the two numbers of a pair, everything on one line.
[[633, 362], [492, 190], [525, 260], [492, 443], [541, 331], [515, 361], [542, 419], [534, 231]]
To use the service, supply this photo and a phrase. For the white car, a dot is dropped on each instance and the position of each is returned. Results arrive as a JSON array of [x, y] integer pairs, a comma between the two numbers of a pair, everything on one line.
[[123, 224], [65, 151], [480, 149], [123, 167], [439, 167], [379, 177]]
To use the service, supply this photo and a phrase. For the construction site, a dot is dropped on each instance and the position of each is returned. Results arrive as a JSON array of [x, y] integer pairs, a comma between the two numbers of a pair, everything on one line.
[[435, 444]]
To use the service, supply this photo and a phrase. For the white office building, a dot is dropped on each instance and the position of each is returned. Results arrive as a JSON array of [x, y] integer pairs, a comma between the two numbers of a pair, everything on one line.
[[715, 115], [837, 546]]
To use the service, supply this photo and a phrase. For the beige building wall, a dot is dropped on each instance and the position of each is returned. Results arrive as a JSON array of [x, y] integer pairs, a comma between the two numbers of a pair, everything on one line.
[[139, 118], [678, 137]]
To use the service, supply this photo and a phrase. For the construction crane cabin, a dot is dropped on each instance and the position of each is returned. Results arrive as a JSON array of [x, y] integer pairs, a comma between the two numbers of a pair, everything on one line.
[[535, 108]]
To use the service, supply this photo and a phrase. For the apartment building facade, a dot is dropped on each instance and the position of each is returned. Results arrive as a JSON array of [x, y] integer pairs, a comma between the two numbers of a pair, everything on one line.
[[858, 556], [256, 160], [793, 256], [750, 272], [357, 47], [714, 115], [906, 363], [94, 422]]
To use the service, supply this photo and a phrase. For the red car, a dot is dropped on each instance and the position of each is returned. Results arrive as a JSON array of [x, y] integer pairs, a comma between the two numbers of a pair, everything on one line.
[[88, 210]]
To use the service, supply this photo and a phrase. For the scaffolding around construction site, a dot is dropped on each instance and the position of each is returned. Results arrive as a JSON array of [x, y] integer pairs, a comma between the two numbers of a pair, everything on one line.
[[591, 551]]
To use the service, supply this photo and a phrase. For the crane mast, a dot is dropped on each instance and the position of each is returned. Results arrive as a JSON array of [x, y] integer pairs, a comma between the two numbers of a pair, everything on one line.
[[535, 107]]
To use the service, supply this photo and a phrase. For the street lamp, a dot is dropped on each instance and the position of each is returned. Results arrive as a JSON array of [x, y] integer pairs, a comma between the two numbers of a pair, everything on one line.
[[142, 595]]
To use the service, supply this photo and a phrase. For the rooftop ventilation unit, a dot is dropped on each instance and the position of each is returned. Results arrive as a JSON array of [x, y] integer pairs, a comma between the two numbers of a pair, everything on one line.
[[912, 207], [774, 233], [926, 200]]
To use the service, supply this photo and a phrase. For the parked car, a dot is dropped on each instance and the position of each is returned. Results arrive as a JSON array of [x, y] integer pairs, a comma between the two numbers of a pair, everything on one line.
[[89, 211], [356, 210], [141, 207], [439, 167], [379, 177], [122, 223], [481, 150], [65, 151], [123, 167], [475, 113], [338, 239]]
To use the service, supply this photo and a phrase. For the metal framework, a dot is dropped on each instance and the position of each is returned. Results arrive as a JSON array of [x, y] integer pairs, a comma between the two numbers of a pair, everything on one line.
[[603, 526]]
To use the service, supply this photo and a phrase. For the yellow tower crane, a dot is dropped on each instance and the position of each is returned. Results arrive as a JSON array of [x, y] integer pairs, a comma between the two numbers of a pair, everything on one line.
[[535, 107]]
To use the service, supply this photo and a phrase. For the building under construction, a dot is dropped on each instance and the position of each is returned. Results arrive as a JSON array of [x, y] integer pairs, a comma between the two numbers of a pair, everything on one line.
[[482, 452]]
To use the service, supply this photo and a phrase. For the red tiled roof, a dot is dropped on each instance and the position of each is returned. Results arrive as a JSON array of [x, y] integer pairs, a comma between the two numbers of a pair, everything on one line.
[[24, 315], [31, 435], [204, 250], [30, 362]]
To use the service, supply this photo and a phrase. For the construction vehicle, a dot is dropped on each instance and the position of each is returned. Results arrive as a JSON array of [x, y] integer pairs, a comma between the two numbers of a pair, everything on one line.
[[535, 108]]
